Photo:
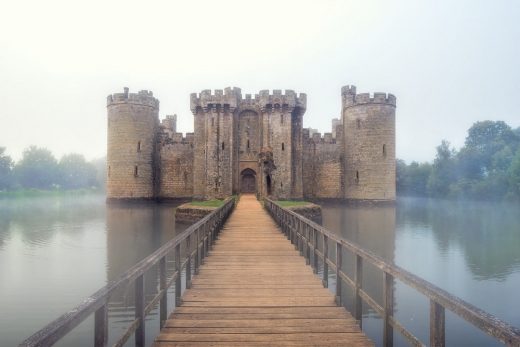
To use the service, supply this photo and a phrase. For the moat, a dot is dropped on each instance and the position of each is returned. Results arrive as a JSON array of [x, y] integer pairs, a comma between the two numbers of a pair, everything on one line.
[[56, 251]]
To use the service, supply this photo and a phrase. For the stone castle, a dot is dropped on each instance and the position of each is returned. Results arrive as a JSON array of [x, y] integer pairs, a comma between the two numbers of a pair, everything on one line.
[[251, 144]]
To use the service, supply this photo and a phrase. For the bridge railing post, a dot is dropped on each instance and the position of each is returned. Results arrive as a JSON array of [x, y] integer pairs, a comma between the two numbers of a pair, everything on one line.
[[388, 305], [140, 340], [325, 264], [358, 280], [188, 262], [437, 325], [101, 326], [178, 280], [307, 244], [197, 252], [163, 306], [338, 273], [315, 252]]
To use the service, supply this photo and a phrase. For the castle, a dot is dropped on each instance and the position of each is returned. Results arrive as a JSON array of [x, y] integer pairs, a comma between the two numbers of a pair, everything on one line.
[[251, 144]]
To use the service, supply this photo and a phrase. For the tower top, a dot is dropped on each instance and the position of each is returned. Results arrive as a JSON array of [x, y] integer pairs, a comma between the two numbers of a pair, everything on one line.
[[143, 97]]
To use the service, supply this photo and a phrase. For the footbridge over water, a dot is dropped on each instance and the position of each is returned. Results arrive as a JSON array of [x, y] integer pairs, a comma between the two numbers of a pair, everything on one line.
[[250, 274]]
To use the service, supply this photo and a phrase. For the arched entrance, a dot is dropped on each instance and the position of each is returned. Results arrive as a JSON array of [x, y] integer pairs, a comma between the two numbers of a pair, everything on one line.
[[248, 181]]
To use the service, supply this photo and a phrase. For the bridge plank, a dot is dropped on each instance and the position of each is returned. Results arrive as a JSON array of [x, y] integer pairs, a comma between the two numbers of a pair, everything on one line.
[[254, 289]]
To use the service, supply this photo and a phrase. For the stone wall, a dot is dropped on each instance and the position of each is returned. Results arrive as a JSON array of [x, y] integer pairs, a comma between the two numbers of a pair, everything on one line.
[[131, 151], [369, 145], [176, 170], [322, 167]]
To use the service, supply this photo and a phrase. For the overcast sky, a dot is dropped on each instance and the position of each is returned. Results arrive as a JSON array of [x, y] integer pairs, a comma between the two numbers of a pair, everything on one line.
[[450, 63]]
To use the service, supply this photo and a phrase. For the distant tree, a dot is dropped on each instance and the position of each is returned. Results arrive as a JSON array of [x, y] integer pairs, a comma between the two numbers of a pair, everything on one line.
[[37, 169], [6, 170], [101, 171], [443, 170], [412, 179], [75, 172], [514, 178]]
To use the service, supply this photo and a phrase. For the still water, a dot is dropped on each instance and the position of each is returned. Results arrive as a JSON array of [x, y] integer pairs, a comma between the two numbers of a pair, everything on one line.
[[56, 251]]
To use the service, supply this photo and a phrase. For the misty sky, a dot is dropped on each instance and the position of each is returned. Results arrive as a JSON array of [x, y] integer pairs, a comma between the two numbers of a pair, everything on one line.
[[450, 63]]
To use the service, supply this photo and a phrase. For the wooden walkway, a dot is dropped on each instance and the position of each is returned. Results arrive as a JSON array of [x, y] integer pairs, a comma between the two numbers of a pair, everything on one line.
[[254, 289]]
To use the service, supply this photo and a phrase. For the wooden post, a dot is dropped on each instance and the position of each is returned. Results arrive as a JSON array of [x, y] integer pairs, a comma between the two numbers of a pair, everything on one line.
[[101, 326], [163, 307], [358, 280], [388, 305], [315, 255], [139, 312], [197, 253], [188, 262], [338, 276], [178, 280], [437, 322], [325, 265], [307, 243]]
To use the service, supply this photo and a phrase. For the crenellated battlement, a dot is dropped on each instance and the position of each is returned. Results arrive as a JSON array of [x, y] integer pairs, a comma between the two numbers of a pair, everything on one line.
[[350, 98], [143, 97], [207, 99], [317, 137], [232, 97]]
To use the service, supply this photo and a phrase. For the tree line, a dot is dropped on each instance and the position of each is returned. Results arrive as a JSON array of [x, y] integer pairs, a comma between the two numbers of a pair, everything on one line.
[[39, 169], [487, 167]]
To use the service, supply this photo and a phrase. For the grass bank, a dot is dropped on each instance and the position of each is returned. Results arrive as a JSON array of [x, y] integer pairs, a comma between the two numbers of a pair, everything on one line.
[[290, 203]]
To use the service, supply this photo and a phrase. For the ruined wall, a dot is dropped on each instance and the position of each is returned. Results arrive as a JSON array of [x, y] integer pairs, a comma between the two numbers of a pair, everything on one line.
[[369, 145], [322, 166], [176, 169], [131, 137]]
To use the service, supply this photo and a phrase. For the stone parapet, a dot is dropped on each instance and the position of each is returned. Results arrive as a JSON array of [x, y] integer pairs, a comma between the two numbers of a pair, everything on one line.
[[143, 97]]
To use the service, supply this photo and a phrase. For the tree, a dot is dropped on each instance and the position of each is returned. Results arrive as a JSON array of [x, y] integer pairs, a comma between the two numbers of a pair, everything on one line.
[[75, 172], [37, 169], [514, 177], [443, 171], [6, 168]]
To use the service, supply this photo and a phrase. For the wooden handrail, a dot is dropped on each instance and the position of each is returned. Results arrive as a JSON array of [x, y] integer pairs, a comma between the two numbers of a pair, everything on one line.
[[298, 228], [203, 231]]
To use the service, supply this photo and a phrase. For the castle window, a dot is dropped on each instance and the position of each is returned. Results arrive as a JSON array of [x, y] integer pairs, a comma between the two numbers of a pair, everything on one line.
[[283, 146], [222, 145], [358, 121], [212, 121], [247, 144], [384, 151], [357, 177], [281, 185], [136, 171], [281, 119], [138, 146]]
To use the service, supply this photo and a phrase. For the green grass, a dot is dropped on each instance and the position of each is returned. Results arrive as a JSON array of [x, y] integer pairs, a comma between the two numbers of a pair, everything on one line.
[[208, 203], [289, 203]]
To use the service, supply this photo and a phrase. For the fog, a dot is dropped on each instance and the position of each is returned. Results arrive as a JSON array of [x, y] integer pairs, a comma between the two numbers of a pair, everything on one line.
[[449, 63]]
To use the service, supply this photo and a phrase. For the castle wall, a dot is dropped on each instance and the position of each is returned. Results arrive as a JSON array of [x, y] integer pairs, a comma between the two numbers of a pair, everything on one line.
[[369, 145], [176, 170], [132, 125], [323, 167]]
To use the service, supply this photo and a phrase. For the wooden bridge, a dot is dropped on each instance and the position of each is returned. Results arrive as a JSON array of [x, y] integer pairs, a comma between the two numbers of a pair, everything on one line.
[[253, 288]]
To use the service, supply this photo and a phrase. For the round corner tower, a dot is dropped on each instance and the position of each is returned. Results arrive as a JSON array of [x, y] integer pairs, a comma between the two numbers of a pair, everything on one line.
[[369, 145], [132, 127]]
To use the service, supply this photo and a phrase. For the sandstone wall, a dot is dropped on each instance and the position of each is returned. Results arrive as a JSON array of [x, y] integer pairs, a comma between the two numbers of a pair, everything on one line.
[[176, 170], [369, 145], [132, 125]]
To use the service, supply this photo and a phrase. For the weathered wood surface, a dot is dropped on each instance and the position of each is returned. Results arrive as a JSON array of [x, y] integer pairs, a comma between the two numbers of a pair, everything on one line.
[[254, 289]]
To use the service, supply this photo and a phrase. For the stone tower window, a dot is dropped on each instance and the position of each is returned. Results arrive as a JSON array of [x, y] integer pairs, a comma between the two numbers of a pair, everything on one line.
[[283, 146], [384, 151], [357, 177], [247, 144], [212, 121], [136, 171], [281, 119], [138, 146], [358, 122], [222, 145]]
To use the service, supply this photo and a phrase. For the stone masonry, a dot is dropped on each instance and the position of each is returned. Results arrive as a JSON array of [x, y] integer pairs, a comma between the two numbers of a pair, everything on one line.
[[251, 144]]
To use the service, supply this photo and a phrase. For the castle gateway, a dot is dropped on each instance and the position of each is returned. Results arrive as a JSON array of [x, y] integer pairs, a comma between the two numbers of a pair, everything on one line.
[[251, 144]]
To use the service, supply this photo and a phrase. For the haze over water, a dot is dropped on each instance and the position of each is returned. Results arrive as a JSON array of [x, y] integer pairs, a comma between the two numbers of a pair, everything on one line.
[[56, 251]]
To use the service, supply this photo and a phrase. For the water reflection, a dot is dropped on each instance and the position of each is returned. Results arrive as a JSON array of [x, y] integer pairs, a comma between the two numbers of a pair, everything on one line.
[[55, 251]]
